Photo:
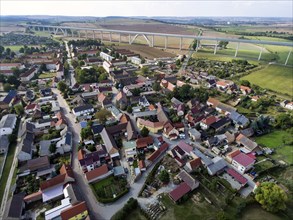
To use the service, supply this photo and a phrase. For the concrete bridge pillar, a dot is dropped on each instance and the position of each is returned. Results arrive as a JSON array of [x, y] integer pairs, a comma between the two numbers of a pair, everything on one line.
[[166, 42], [288, 56], [261, 49], [110, 34], [94, 35], [237, 47], [197, 45], [153, 40], [86, 34], [102, 37], [129, 38], [180, 43], [119, 37], [78, 34], [215, 50]]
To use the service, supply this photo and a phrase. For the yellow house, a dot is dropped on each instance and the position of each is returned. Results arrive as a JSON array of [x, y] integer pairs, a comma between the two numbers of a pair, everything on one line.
[[77, 212], [154, 127]]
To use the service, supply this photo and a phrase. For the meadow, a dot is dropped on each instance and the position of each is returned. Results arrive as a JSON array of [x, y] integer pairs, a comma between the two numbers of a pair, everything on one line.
[[274, 77]]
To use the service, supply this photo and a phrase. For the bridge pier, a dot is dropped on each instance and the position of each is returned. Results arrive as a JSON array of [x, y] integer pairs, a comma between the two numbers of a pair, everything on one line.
[[288, 56], [197, 45], [129, 39], [119, 37], [153, 41], [237, 47], [78, 34], [166, 42], [261, 49], [86, 34], [94, 35], [215, 50], [110, 34], [180, 43], [102, 37]]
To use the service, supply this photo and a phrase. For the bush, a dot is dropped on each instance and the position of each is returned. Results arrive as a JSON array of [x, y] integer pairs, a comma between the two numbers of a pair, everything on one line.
[[123, 213]]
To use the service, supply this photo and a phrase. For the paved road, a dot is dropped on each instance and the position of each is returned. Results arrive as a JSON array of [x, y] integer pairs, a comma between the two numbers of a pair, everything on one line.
[[9, 180], [71, 69]]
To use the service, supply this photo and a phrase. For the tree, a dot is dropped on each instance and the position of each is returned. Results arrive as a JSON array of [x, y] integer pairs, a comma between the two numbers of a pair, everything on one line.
[[144, 132], [156, 86], [129, 109], [7, 87], [52, 148], [12, 138], [19, 109], [164, 176], [245, 83], [103, 115], [271, 197], [178, 62], [223, 44], [103, 76], [86, 133], [136, 92], [74, 63], [160, 63], [194, 45], [284, 120], [145, 70], [62, 86]]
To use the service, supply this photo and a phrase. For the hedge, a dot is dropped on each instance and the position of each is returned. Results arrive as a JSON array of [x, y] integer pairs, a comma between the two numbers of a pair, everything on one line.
[[108, 200]]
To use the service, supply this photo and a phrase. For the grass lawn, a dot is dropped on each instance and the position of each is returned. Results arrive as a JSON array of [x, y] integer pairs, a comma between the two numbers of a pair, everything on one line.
[[136, 215], [273, 77], [263, 166], [106, 188], [255, 212], [275, 140], [46, 75], [6, 169], [14, 48], [188, 209]]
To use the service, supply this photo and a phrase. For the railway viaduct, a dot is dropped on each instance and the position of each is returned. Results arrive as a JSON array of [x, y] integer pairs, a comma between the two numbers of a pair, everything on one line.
[[150, 37]]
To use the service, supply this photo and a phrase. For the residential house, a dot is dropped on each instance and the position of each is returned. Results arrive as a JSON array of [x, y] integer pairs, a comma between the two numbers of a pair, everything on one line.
[[16, 207], [26, 146], [245, 90], [239, 119], [217, 166], [7, 124], [144, 142], [28, 75], [157, 153], [248, 145], [221, 124], [242, 162], [7, 101], [177, 193], [38, 164], [83, 110], [153, 127], [193, 165], [143, 101], [136, 60], [194, 134], [31, 108], [170, 132], [110, 144], [4, 144], [104, 100], [98, 174], [90, 161], [238, 180], [121, 100], [77, 211], [106, 56], [207, 122]]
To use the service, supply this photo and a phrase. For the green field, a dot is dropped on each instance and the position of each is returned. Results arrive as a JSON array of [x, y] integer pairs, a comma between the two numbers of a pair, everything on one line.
[[273, 77], [46, 75], [275, 140]]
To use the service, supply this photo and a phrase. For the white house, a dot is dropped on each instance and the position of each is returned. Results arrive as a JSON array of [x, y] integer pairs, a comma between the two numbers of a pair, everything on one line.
[[106, 56], [28, 75], [143, 101], [194, 134], [83, 110], [136, 60], [7, 124], [51, 65], [108, 66], [242, 162]]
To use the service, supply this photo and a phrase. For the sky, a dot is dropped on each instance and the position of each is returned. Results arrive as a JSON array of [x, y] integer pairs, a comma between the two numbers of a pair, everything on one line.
[[271, 8]]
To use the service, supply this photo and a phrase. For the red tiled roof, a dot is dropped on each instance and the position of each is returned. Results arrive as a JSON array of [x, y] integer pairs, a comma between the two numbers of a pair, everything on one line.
[[163, 147], [73, 211], [141, 164], [233, 153], [80, 154], [179, 192], [154, 155], [243, 159], [144, 142], [67, 170], [237, 176], [184, 146], [30, 106], [97, 172], [57, 180], [214, 101], [33, 197], [210, 120], [195, 163]]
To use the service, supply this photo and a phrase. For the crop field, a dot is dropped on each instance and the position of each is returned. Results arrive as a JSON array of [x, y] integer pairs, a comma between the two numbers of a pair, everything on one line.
[[273, 77], [146, 51]]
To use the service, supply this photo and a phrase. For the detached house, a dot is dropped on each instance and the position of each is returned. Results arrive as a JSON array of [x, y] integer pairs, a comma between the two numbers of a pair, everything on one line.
[[7, 124], [83, 110], [242, 162], [207, 122], [28, 75], [248, 145]]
